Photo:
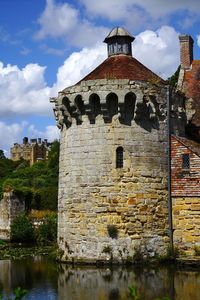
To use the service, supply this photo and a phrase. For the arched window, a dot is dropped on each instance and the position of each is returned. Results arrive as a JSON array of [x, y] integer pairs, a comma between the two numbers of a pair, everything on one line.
[[129, 107], [119, 157], [80, 109], [95, 106], [79, 105], [112, 105], [66, 103]]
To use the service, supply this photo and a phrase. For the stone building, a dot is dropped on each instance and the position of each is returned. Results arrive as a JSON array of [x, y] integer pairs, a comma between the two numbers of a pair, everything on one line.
[[189, 84], [185, 179], [185, 156], [113, 199], [33, 151]]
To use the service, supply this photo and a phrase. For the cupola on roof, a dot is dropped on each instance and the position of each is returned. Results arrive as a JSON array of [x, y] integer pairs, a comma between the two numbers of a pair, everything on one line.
[[119, 42], [120, 64], [119, 31]]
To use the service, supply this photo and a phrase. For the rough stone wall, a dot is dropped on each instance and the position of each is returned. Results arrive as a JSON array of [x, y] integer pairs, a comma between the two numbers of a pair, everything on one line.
[[10, 207], [104, 212], [186, 223]]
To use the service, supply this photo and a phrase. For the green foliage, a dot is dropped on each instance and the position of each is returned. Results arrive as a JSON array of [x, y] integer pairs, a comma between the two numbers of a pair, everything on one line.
[[173, 80], [134, 293], [19, 293], [53, 157], [48, 230], [2, 156], [37, 184], [22, 229]]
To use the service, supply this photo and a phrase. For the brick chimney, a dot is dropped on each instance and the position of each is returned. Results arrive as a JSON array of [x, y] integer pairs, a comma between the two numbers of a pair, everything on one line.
[[186, 51]]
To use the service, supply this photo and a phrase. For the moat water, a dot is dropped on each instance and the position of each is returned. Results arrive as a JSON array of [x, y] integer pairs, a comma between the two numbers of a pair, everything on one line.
[[46, 280]]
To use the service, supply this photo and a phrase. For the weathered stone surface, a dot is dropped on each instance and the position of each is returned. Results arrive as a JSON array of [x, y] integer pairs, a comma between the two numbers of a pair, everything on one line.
[[186, 223], [10, 207], [102, 209]]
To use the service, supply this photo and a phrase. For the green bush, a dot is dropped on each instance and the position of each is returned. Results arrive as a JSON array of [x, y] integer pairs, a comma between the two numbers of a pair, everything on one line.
[[48, 230], [22, 229]]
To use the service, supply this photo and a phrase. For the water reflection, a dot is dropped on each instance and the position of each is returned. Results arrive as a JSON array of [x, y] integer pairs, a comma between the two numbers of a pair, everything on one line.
[[47, 280]]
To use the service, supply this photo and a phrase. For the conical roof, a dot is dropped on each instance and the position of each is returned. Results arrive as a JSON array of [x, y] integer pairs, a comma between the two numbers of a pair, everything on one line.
[[122, 67], [118, 31]]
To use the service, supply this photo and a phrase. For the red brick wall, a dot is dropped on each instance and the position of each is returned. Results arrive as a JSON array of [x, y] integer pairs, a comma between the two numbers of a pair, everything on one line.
[[184, 182], [186, 51]]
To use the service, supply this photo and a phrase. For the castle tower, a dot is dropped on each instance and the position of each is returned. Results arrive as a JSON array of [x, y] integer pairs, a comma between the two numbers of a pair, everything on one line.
[[113, 160]]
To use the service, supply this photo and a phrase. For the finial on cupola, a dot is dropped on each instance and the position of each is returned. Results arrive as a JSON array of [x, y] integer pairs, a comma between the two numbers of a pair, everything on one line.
[[119, 42]]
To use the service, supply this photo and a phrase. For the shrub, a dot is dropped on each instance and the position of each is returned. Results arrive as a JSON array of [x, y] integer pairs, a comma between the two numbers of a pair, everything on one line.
[[48, 230], [22, 229]]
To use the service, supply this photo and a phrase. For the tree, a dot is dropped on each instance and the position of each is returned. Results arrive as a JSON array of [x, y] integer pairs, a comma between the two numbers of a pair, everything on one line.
[[2, 156], [173, 80], [36, 184]]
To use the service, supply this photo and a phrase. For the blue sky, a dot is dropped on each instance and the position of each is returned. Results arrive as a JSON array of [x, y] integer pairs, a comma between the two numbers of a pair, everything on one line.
[[47, 45]]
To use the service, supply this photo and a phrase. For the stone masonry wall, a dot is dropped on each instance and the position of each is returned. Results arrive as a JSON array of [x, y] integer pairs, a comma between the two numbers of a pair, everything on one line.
[[186, 223], [10, 207], [105, 213]]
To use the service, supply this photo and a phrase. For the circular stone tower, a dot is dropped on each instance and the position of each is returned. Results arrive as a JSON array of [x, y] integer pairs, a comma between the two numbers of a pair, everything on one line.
[[113, 162]]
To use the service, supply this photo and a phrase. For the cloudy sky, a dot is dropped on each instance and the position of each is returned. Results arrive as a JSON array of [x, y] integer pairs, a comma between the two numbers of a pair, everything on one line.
[[47, 45]]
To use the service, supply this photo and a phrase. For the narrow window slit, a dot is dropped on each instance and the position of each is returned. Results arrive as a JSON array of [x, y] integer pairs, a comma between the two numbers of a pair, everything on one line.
[[119, 157]]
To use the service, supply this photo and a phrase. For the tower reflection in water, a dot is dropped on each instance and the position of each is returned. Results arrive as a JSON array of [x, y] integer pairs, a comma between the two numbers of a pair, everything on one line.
[[50, 280]]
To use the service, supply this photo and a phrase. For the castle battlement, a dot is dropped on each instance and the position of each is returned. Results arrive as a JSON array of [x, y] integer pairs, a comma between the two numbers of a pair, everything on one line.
[[130, 100]]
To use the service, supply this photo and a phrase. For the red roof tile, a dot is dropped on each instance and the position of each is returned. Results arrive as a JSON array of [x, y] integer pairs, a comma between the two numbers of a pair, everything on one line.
[[192, 145], [122, 67]]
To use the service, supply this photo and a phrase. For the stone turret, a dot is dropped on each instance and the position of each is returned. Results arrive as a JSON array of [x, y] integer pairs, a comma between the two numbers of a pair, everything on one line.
[[119, 42], [113, 161]]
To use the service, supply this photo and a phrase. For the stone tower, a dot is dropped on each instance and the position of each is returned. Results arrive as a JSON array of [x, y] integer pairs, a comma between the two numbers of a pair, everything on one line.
[[113, 160]]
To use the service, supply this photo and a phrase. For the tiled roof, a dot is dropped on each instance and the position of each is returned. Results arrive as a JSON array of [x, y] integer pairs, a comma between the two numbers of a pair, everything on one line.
[[192, 145], [189, 74], [123, 67]]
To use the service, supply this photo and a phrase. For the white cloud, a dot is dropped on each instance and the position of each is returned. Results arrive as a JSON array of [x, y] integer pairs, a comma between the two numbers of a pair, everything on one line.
[[198, 40], [63, 20], [79, 64], [23, 91], [10, 134], [57, 19], [119, 9], [158, 50], [50, 132]]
